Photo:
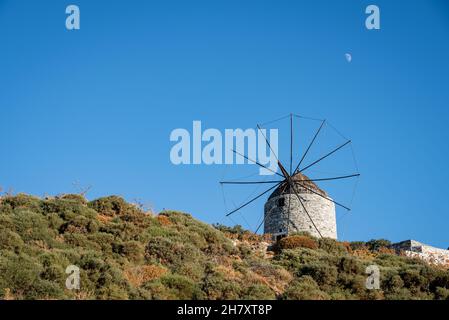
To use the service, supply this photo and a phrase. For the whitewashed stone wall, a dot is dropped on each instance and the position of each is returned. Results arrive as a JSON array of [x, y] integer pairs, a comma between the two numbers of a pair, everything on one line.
[[322, 212], [415, 249]]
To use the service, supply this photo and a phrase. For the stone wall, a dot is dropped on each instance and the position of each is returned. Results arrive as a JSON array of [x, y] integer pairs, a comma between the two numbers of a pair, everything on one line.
[[322, 212], [415, 249]]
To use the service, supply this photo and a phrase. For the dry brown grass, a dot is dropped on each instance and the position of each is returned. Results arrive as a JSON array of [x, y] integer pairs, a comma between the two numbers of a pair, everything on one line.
[[8, 295], [141, 274], [298, 242], [277, 282], [84, 295], [164, 220], [364, 253], [229, 272], [103, 218], [347, 245], [275, 278], [385, 250]]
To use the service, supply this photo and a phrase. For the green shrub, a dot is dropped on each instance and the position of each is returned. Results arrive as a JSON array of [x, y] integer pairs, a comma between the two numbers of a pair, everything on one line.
[[357, 245], [104, 240], [23, 201], [75, 197], [132, 250], [293, 259], [66, 208], [400, 294], [323, 274], [32, 226], [156, 290], [216, 287], [332, 246], [10, 240], [375, 245], [79, 224], [441, 293], [55, 222], [20, 275], [350, 265], [112, 206], [237, 229], [182, 287], [351, 284], [270, 271], [393, 283], [174, 254], [81, 241], [304, 288], [390, 260], [441, 280], [191, 270], [112, 292], [259, 292], [413, 280]]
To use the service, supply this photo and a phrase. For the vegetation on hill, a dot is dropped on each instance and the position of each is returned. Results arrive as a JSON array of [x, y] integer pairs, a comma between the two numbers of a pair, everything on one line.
[[126, 253]]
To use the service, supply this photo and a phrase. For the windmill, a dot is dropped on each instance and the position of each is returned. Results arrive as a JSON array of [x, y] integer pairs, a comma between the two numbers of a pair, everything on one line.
[[297, 203]]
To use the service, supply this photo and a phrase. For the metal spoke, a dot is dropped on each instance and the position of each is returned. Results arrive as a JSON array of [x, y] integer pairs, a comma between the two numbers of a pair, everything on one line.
[[310, 145], [317, 193], [260, 225], [289, 208], [269, 145], [291, 142], [334, 178], [252, 200], [304, 207], [272, 121], [259, 164], [249, 182], [324, 157]]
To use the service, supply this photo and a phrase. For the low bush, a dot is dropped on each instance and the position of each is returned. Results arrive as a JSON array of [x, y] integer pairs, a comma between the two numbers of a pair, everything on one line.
[[112, 206], [356, 245], [172, 253], [297, 241], [441, 293], [216, 287], [323, 274], [137, 276], [350, 265], [375, 245], [124, 253], [182, 287], [332, 246], [259, 292], [23, 201], [304, 288], [74, 197], [10, 240]]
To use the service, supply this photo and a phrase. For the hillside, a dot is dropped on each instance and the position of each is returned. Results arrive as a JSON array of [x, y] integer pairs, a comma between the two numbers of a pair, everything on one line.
[[125, 253]]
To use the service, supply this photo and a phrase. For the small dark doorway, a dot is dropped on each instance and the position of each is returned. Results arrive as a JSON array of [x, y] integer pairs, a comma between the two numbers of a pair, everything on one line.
[[279, 237]]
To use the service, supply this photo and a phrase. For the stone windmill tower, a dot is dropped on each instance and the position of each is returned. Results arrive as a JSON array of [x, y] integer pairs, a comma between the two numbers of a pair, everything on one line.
[[296, 203], [284, 214]]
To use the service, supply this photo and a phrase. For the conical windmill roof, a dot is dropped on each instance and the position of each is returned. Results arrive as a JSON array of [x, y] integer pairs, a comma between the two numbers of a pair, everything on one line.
[[302, 183]]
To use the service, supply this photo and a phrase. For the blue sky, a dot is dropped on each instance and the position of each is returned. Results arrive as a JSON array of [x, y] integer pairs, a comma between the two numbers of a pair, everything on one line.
[[96, 106]]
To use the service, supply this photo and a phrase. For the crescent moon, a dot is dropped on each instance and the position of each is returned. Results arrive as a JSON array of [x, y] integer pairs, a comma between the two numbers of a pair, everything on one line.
[[348, 57]]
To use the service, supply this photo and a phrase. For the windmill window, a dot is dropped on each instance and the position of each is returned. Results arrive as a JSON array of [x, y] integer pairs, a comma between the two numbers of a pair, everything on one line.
[[281, 202]]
